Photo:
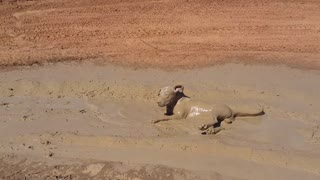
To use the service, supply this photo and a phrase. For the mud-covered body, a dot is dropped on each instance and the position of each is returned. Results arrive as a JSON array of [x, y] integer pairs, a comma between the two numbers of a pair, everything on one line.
[[180, 106], [187, 108]]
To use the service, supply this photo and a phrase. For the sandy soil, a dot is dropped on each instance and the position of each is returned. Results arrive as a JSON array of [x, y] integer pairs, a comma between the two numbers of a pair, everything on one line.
[[161, 33], [81, 120]]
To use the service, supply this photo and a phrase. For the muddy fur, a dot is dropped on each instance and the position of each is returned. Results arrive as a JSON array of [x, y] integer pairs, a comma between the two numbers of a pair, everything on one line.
[[180, 106]]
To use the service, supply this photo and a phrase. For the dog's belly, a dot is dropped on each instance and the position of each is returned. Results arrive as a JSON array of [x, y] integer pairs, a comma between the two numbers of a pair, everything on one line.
[[196, 111]]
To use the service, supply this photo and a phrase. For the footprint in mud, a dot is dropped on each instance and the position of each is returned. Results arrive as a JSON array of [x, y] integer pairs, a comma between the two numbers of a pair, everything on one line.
[[27, 117], [11, 90]]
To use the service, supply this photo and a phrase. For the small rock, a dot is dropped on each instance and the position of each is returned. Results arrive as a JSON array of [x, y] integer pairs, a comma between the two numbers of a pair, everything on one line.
[[25, 117], [51, 154], [83, 111], [46, 142], [5, 104]]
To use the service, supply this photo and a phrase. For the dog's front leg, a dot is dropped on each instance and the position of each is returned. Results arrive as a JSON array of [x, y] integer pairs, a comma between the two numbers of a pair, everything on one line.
[[159, 120], [166, 119]]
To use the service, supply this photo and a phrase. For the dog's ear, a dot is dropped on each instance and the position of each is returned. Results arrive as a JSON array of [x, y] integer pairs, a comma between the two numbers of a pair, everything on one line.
[[178, 88]]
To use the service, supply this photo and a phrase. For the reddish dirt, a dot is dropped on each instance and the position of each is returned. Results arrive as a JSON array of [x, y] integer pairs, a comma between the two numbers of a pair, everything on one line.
[[165, 33]]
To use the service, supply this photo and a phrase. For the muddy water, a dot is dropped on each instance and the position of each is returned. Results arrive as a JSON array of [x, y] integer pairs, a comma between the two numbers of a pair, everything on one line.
[[104, 112]]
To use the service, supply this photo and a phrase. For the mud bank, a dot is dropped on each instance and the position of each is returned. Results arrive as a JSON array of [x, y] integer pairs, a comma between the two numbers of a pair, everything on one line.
[[76, 116]]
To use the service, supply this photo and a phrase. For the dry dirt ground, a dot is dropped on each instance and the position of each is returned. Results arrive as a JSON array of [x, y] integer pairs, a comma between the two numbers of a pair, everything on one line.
[[165, 33]]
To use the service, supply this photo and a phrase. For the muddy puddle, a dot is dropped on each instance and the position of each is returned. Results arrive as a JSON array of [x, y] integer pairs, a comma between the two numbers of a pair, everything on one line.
[[90, 112]]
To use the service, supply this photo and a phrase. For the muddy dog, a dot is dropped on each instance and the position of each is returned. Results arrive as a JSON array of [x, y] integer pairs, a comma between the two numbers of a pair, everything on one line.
[[180, 106]]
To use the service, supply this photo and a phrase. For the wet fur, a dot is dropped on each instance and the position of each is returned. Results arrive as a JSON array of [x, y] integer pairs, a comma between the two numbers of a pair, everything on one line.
[[180, 106]]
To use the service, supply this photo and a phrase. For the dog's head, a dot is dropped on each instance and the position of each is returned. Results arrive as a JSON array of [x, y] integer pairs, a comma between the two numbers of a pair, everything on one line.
[[169, 95]]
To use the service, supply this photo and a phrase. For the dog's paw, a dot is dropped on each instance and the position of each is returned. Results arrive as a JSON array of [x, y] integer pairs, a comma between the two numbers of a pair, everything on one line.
[[212, 131], [229, 121], [203, 127], [208, 131]]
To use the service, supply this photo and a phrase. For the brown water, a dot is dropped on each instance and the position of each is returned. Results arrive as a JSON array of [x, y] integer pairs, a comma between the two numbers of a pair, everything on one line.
[[103, 113]]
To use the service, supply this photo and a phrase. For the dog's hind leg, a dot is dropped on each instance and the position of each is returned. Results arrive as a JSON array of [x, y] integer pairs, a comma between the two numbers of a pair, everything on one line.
[[212, 130], [229, 120], [207, 126]]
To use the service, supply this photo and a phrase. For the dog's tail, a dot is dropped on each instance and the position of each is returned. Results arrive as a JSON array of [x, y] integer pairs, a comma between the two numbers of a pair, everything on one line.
[[240, 114]]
